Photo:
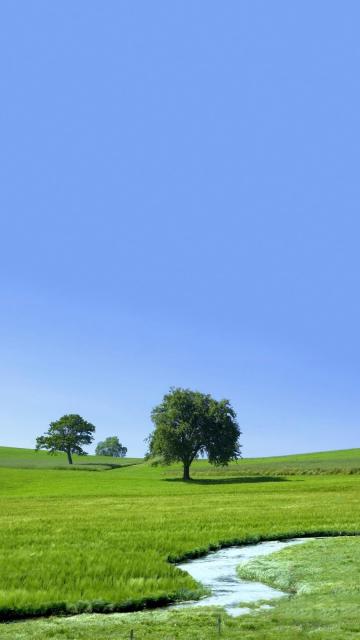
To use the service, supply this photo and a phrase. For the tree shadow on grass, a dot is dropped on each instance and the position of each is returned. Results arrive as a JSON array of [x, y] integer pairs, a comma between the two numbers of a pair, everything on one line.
[[238, 480]]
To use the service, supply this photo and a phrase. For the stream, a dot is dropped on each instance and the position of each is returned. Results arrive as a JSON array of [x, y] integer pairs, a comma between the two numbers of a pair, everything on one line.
[[217, 572]]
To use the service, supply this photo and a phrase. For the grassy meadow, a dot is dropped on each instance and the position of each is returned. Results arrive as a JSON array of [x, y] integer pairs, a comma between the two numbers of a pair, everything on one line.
[[101, 542], [30, 459], [322, 577], [320, 463]]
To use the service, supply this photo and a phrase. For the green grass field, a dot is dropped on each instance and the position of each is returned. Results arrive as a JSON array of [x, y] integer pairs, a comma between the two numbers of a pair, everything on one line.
[[322, 577], [84, 542], [320, 463], [30, 459]]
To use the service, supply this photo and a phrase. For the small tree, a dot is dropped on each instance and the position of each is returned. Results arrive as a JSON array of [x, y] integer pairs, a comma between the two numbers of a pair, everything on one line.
[[111, 447], [67, 434], [189, 424]]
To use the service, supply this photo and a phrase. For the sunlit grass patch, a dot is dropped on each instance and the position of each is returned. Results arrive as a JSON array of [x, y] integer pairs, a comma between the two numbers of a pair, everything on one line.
[[319, 566], [102, 541]]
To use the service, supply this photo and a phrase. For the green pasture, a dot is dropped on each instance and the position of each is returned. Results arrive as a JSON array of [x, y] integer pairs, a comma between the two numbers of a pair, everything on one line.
[[30, 459], [324, 462], [320, 463], [322, 577], [100, 542]]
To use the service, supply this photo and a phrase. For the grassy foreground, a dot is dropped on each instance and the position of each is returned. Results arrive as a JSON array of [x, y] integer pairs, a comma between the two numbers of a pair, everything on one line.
[[84, 542], [322, 574]]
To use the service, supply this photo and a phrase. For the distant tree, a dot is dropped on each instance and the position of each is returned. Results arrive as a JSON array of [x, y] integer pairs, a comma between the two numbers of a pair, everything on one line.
[[111, 447], [67, 434], [189, 424]]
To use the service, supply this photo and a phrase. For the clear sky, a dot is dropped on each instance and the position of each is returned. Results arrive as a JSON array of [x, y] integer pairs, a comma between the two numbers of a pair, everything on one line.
[[179, 205]]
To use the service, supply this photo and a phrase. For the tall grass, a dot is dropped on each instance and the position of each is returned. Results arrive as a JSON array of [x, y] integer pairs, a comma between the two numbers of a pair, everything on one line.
[[322, 576], [101, 541]]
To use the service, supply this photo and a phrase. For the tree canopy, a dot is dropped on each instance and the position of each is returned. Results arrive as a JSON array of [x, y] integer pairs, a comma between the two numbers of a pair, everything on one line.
[[111, 447], [67, 434], [188, 424]]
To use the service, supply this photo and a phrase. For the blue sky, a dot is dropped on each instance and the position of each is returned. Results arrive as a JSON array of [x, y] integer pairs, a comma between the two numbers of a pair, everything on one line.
[[179, 206]]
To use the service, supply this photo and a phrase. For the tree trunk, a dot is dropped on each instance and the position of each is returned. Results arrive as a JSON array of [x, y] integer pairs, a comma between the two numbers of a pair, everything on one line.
[[69, 456], [186, 475]]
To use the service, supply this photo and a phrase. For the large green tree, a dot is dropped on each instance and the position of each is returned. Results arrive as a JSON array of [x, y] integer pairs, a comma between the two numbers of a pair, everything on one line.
[[189, 424], [111, 447], [67, 434]]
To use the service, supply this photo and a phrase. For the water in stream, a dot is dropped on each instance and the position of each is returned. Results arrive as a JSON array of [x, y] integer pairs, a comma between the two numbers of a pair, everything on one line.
[[217, 572]]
